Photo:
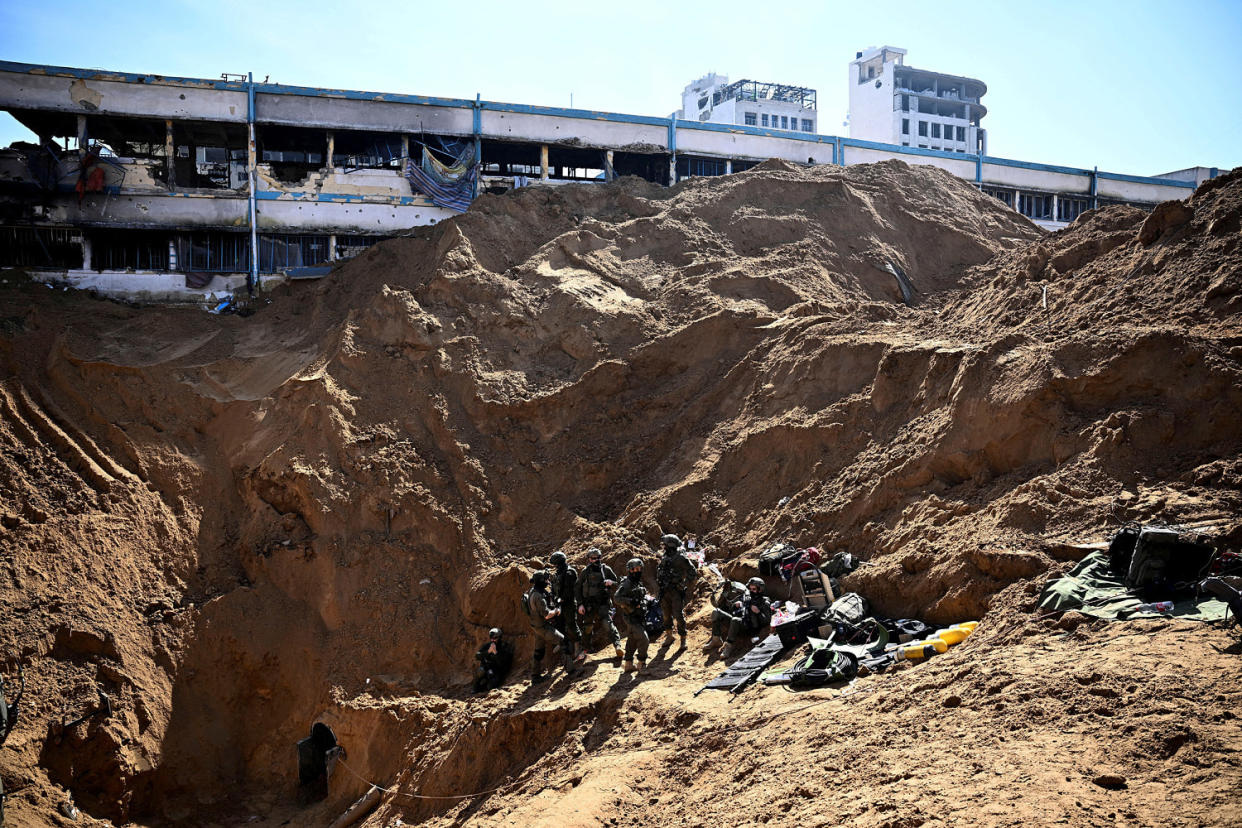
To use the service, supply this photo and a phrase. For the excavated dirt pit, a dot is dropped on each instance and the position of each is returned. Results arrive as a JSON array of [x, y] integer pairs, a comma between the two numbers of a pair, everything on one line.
[[236, 527]]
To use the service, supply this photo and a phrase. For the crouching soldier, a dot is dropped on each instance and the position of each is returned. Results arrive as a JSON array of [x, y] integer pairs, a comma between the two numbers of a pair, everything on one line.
[[674, 575], [749, 615], [631, 598], [593, 595], [539, 605], [564, 581], [495, 658]]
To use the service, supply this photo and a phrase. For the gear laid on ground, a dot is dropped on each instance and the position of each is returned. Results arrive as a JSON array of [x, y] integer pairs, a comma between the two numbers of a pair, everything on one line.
[[235, 527]]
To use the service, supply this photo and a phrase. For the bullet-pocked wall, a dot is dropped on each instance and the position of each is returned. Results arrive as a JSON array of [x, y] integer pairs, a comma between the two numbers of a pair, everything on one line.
[[125, 152]]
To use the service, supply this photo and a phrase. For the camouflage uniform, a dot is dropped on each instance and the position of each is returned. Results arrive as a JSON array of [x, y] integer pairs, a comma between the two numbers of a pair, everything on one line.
[[594, 602], [674, 575], [731, 622], [564, 583], [493, 667], [631, 598], [545, 633]]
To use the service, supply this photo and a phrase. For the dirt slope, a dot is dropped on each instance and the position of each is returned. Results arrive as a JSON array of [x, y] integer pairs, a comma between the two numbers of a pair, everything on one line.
[[235, 526]]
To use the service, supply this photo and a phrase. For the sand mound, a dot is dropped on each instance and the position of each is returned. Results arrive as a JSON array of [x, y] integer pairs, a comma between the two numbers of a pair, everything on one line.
[[235, 526]]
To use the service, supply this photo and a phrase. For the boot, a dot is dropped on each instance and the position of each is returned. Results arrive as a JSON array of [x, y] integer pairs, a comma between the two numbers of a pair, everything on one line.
[[668, 636], [616, 648], [726, 650], [629, 667], [682, 641], [535, 678], [580, 655], [642, 667], [712, 643]]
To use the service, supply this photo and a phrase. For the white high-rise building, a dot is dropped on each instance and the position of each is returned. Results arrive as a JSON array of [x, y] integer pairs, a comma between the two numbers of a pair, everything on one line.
[[897, 104], [713, 99]]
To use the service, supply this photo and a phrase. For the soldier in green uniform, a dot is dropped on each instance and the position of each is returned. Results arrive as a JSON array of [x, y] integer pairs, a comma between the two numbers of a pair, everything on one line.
[[593, 595], [495, 657], [750, 615], [541, 608], [674, 576], [631, 598], [564, 579]]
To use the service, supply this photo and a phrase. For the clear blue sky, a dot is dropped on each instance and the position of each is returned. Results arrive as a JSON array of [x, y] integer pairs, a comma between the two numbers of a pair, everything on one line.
[[1137, 87]]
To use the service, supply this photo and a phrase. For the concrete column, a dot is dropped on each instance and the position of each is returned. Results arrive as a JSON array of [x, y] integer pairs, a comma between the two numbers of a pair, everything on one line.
[[672, 170], [332, 247], [543, 162], [331, 149], [405, 146], [252, 280], [728, 166], [1017, 200], [172, 253], [170, 152], [86, 251], [1054, 207], [81, 135], [609, 173]]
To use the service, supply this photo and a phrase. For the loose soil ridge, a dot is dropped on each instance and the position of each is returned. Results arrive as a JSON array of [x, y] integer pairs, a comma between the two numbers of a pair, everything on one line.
[[237, 526]]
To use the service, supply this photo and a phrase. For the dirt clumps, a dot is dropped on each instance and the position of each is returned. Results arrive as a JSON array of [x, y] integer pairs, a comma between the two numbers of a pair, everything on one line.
[[237, 527]]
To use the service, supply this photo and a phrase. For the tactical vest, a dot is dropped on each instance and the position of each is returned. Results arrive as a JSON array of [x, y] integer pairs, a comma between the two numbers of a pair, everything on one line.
[[593, 589]]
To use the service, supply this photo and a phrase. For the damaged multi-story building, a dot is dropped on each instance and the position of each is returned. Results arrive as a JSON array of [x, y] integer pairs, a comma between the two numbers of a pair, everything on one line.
[[713, 99], [190, 189], [898, 104]]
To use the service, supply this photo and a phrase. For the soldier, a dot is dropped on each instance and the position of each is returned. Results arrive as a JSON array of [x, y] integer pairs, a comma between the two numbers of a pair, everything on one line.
[[674, 576], [564, 580], [593, 595], [631, 598], [540, 606], [495, 657], [8, 720], [752, 614]]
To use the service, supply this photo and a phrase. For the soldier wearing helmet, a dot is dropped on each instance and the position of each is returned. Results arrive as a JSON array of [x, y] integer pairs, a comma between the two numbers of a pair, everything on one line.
[[631, 598], [564, 579], [750, 615], [593, 596], [675, 574], [541, 607], [495, 657]]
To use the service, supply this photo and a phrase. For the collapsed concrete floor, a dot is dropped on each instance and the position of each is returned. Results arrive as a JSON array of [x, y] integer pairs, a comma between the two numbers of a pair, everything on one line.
[[239, 526]]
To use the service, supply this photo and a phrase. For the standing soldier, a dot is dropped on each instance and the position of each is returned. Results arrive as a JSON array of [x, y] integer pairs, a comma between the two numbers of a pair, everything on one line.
[[593, 595], [631, 597], [674, 576], [750, 614], [539, 605], [564, 580]]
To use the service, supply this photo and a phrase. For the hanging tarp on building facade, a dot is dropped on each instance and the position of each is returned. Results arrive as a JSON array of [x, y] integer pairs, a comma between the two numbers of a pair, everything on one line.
[[451, 187]]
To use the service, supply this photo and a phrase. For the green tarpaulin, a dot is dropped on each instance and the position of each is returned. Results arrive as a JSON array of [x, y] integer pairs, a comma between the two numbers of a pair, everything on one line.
[[1093, 589]]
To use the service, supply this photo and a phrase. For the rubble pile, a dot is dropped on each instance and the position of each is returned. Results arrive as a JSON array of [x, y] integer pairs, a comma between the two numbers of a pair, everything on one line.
[[237, 526]]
